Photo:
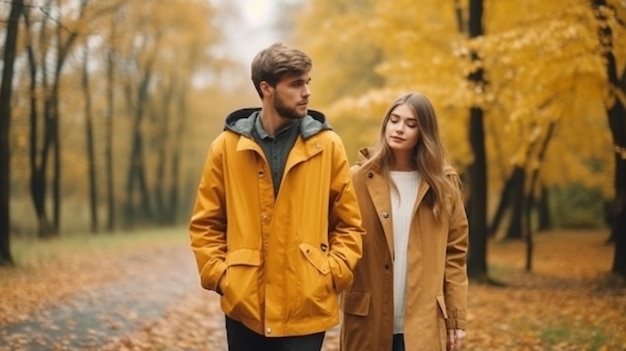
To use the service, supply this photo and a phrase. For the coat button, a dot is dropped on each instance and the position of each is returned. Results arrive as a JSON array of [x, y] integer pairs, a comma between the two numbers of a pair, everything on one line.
[[387, 266], [269, 330], [317, 146], [385, 215], [261, 175]]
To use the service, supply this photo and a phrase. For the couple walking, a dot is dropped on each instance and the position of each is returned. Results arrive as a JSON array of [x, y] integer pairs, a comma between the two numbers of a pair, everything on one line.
[[289, 234]]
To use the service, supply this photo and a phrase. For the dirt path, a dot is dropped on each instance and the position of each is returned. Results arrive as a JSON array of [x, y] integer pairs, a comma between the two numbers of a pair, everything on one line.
[[151, 281], [156, 305]]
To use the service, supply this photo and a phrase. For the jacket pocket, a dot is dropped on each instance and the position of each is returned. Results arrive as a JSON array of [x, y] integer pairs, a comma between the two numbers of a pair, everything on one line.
[[241, 285], [356, 303], [441, 302], [241, 265], [315, 257], [244, 257]]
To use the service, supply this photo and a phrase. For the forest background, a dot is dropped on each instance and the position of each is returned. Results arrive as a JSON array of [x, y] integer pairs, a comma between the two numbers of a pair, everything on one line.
[[108, 106]]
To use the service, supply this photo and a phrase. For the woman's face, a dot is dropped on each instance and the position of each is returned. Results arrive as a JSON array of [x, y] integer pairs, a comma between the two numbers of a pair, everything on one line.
[[401, 132]]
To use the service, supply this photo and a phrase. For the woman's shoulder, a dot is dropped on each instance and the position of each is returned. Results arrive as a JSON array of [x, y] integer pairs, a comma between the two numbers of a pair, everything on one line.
[[356, 170], [363, 172]]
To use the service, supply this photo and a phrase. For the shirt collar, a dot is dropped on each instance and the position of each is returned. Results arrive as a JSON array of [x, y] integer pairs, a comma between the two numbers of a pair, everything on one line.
[[258, 126]]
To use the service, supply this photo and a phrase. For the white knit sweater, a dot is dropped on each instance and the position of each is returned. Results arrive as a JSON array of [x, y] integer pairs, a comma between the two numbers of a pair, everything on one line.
[[402, 204]]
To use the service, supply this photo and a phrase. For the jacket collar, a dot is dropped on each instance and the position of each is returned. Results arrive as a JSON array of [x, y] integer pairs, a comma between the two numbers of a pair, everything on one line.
[[243, 121]]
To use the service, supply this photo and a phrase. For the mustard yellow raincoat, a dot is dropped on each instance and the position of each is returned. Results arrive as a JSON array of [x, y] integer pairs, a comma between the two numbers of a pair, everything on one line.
[[283, 259]]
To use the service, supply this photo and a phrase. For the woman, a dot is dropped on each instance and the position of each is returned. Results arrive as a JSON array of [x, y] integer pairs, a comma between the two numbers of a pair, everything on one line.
[[410, 287]]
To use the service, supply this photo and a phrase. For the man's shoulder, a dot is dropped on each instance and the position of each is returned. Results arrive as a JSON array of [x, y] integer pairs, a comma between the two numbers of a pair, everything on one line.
[[223, 138], [329, 136]]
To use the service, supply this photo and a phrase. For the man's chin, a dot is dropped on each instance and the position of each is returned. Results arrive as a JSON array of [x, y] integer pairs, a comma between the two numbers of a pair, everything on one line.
[[304, 113], [298, 114]]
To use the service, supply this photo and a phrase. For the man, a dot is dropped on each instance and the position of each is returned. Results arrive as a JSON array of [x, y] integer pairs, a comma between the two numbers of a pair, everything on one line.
[[276, 228]]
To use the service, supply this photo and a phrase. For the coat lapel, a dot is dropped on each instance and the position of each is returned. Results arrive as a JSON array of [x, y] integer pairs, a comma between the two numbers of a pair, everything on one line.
[[421, 192], [379, 193]]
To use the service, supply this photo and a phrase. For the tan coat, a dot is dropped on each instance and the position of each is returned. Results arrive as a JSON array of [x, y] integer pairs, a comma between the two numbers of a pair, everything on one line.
[[283, 260], [436, 291]]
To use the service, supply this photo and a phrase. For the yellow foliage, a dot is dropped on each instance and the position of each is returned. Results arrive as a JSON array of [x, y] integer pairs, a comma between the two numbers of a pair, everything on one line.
[[345, 65], [542, 67]]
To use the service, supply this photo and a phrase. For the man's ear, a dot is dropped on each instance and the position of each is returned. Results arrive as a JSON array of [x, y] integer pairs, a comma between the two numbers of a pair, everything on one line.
[[266, 88]]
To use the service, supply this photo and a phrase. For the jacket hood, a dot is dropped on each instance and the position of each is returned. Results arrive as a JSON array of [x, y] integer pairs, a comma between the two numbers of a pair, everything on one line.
[[364, 154], [242, 122]]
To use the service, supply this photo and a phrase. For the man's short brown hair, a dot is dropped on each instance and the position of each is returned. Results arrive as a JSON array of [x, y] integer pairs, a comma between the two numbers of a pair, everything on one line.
[[277, 61]]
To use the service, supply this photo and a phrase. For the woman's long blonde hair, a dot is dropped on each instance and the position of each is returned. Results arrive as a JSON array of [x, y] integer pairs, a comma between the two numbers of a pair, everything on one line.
[[428, 156]]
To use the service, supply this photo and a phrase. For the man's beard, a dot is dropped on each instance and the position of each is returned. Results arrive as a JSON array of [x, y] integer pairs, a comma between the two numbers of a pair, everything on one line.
[[286, 111]]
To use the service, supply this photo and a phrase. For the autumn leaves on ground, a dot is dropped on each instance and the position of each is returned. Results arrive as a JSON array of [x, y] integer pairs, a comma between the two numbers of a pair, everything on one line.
[[569, 302]]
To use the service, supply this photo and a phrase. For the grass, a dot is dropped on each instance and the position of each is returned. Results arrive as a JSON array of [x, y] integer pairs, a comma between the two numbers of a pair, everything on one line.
[[32, 252], [569, 333]]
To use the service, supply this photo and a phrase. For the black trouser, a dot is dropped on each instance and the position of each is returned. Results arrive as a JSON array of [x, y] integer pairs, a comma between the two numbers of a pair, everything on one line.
[[240, 338], [398, 342]]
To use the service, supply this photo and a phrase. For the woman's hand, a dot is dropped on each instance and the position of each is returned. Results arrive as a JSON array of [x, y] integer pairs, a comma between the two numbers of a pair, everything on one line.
[[455, 339]]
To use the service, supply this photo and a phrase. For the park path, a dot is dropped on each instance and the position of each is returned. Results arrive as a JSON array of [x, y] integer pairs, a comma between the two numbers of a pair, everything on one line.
[[150, 282], [153, 286]]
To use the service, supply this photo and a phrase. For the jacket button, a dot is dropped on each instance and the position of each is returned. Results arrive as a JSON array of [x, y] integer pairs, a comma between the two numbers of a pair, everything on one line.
[[261, 175], [387, 266], [269, 330], [370, 175], [385, 215], [317, 146]]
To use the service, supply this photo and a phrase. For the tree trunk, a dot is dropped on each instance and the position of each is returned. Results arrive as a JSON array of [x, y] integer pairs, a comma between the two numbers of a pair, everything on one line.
[[609, 216], [137, 169], [129, 207], [38, 159], [163, 148], [477, 260], [616, 113], [108, 142], [6, 91], [505, 201], [91, 154], [530, 201], [176, 159], [64, 45], [55, 135], [544, 218], [56, 165], [514, 230]]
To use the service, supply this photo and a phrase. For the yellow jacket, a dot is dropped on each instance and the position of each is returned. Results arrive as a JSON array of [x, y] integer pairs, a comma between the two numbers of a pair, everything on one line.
[[285, 259]]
